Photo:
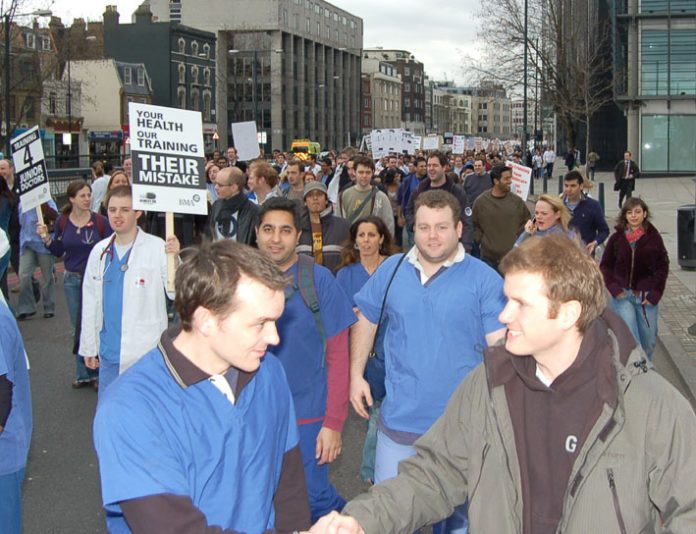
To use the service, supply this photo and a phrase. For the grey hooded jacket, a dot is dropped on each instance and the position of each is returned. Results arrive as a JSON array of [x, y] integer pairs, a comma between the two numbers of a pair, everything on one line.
[[636, 472]]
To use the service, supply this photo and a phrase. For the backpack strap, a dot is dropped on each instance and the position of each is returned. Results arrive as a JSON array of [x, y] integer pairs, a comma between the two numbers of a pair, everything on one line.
[[308, 291]]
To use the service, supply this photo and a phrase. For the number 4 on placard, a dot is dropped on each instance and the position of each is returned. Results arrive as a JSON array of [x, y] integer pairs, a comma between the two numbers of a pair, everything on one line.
[[27, 156]]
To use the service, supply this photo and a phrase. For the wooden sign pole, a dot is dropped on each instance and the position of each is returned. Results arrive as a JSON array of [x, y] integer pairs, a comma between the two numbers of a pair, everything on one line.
[[171, 257]]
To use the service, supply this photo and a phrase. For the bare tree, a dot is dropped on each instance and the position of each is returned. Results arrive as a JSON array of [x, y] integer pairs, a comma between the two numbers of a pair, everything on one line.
[[568, 50]]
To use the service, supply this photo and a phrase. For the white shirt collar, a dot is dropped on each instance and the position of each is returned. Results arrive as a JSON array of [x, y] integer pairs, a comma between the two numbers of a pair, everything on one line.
[[413, 257]]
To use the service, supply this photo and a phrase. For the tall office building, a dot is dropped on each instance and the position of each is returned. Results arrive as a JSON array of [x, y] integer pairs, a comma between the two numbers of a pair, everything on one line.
[[293, 66], [654, 46]]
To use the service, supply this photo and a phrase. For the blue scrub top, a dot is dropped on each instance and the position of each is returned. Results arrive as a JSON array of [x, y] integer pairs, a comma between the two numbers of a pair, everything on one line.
[[300, 348], [352, 278], [15, 439], [112, 306], [153, 436], [436, 334]]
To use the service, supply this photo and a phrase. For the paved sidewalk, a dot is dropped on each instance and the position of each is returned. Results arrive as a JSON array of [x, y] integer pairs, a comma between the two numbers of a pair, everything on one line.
[[678, 304]]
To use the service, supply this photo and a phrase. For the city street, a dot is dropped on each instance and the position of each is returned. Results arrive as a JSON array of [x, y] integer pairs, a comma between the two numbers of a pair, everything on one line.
[[61, 492]]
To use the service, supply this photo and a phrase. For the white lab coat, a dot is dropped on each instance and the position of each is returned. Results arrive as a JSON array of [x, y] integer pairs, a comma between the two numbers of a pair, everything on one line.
[[144, 306]]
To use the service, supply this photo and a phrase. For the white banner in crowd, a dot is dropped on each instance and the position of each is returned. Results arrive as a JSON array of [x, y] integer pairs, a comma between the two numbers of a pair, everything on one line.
[[417, 142], [458, 144], [168, 159], [431, 142], [246, 140], [521, 177], [382, 142], [30, 169]]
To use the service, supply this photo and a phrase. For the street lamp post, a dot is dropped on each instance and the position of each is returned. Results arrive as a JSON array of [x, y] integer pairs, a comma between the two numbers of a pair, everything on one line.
[[6, 27], [526, 53]]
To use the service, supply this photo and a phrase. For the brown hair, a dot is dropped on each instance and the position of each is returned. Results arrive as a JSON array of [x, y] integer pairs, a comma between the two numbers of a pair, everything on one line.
[[266, 171], [557, 206], [113, 175], [73, 189], [98, 168], [295, 162], [122, 191], [568, 272], [350, 253], [209, 275], [632, 202], [437, 199], [363, 160]]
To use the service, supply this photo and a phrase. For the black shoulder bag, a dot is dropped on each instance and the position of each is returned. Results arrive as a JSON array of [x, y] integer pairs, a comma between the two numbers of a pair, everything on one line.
[[375, 370]]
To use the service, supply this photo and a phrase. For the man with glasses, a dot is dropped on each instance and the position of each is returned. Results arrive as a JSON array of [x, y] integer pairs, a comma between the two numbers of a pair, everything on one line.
[[233, 215]]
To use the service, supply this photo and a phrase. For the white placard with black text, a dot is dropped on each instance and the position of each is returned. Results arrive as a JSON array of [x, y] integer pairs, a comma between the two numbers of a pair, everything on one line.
[[30, 169], [168, 159]]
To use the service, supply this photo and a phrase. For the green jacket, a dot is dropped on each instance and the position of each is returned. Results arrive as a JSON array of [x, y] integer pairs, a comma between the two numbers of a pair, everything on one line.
[[636, 472]]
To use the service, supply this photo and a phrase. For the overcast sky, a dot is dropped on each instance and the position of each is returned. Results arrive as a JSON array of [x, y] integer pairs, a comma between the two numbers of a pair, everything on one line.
[[435, 31]]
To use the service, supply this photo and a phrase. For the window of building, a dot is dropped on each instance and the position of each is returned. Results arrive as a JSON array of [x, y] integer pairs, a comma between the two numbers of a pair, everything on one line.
[[195, 100], [140, 74], [194, 74], [662, 6], [181, 97], [182, 45], [668, 62], [52, 99], [307, 23], [328, 33], [45, 43], [182, 73], [318, 29], [407, 102], [207, 110], [194, 48], [662, 143], [30, 40], [127, 75], [206, 77], [285, 17], [407, 71], [206, 50]]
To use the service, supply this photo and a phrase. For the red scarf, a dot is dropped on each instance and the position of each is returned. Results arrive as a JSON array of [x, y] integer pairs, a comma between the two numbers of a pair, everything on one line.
[[634, 235]]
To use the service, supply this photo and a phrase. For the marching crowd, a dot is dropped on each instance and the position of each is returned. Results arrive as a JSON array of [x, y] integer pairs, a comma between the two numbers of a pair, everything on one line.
[[500, 354]]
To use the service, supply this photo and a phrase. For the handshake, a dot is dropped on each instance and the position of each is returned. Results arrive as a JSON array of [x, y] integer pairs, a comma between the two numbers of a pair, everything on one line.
[[335, 523]]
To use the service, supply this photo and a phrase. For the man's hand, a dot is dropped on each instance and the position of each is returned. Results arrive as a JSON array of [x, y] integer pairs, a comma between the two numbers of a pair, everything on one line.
[[92, 362], [359, 395], [172, 245], [335, 523], [328, 445], [590, 247]]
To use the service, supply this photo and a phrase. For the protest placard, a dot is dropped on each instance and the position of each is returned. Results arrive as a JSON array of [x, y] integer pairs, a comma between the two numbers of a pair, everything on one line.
[[168, 165], [521, 177], [168, 159], [246, 140], [458, 144], [431, 142], [30, 169]]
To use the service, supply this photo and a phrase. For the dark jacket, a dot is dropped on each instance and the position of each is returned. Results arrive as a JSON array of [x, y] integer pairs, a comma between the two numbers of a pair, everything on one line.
[[449, 186], [620, 170], [334, 230], [589, 221], [643, 269], [246, 219]]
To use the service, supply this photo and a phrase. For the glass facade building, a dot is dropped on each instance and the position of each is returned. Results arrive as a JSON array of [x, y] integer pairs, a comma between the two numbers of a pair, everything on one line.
[[654, 47]]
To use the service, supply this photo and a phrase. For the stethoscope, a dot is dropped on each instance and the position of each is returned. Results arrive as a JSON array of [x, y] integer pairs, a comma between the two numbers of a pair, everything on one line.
[[109, 250]]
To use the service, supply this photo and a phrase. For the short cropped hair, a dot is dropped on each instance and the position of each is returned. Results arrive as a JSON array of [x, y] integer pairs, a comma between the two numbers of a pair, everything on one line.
[[440, 157], [364, 161], [122, 191], [267, 172], [209, 275], [437, 199], [296, 162], [497, 172], [279, 204], [574, 176], [569, 273]]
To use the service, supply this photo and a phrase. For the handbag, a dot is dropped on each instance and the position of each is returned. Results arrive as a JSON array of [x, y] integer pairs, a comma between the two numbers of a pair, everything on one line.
[[617, 185], [375, 369]]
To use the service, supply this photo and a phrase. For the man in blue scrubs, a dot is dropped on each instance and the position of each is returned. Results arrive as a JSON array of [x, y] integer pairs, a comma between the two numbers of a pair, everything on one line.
[[15, 421], [441, 311], [315, 361], [200, 434]]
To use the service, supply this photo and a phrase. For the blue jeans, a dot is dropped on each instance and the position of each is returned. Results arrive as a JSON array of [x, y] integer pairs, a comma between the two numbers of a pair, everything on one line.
[[72, 287], [11, 502], [27, 265], [641, 320], [367, 469], [389, 454]]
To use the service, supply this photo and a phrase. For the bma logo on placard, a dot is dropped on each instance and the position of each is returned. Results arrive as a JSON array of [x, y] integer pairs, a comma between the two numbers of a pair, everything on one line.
[[192, 202]]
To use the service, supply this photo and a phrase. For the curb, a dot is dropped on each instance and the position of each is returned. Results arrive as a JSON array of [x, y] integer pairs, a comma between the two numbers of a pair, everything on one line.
[[682, 362]]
